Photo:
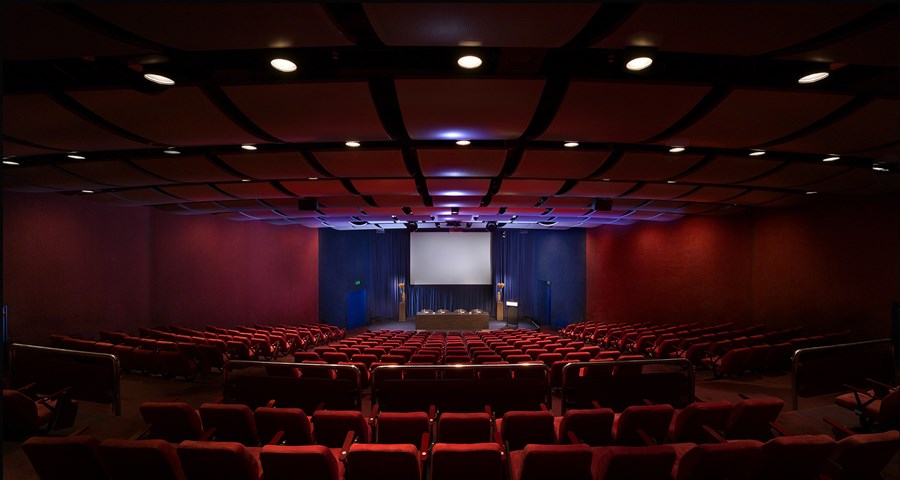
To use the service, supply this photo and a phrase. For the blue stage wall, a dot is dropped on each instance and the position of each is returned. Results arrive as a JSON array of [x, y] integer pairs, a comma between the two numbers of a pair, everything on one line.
[[524, 260]]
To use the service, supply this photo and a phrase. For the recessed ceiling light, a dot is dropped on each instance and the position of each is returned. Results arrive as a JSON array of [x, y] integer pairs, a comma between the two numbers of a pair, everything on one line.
[[171, 151], [676, 149], [283, 65], [756, 153], [313, 178], [811, 193], [880, 169], [75, 157], [570, 144], [248, 146], [159, 79], [463, 143], [605, 179], [831, 158], [469, 61], [245, 179], [671, 181], [10, 162], [352, 143], [813, 77], [87, 191], [638, 63]]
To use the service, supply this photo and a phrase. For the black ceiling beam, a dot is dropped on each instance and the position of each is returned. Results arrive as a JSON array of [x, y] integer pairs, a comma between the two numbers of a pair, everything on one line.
[[88, 20], [353, 23], [841, 112], [88, 115], [220, 99], [551, 99], [387, 105], [711, 100], [877, 16]]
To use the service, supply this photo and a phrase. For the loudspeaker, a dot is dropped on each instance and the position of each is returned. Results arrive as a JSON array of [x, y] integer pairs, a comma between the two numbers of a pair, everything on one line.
[[602, 204], [491, 226], [412, 226], [309, 204]]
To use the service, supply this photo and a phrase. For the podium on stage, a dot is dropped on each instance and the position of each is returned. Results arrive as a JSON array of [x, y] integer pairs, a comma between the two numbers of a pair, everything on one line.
[[512, 314]]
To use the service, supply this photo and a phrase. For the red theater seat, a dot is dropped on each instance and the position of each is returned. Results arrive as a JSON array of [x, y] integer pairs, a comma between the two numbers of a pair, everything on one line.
[[293, 422], [862, 457], [316, 462], [330, 427], [551, 462], [218, 460], [383, 462], [739, 459], [650, 420], [74, 457], [141, 460], [171, 421], [590, 426], [518, 429], [476, 461], [233, 422], [633, 463], [749, 419], [798, 457], [687, 423]]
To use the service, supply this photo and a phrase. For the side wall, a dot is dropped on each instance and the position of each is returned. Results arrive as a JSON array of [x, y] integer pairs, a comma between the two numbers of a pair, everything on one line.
[[74, 266], [828, 265]]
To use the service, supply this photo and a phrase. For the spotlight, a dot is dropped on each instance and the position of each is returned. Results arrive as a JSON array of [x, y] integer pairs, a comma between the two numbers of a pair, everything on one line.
[[491, 226], [412, 226], [159, 73], [469, 61], [813, 77], [407, 210], [283, 65], [639, 58]]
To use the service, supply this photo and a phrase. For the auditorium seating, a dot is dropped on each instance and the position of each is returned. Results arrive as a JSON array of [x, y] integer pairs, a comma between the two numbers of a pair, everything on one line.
[[219, 460], [75, 457], [141, 460], [483, 461], [550, 462], [315, 461], [24, 415]]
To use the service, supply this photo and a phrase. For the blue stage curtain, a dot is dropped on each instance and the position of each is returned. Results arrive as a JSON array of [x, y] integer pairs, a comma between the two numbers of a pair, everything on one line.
[[512, 253], [390, 266], [450, 297]]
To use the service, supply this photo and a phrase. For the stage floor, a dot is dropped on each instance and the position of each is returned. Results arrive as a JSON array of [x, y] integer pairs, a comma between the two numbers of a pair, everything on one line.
[[411, 325]]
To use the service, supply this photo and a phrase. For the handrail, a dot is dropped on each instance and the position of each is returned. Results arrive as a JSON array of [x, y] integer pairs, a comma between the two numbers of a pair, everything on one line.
[[458, 367], [682, 363], [16, 348], [800, 353], [231, 364]]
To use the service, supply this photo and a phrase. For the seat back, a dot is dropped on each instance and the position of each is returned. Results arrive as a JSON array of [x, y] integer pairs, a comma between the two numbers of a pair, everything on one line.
[[292, 421], [539, 462], [233, 422], [331, 426], [798, 457], [171, 421], [405, 427], [463, 428], [483, 461], [519, 429], [654, 420], [687, 424], [862, 456], [141, 460], [284, 462], [591, 426], [368, 462], [65, 458], [737, 459], [628, 463], [217, 460], [750, 418], [20, 414]]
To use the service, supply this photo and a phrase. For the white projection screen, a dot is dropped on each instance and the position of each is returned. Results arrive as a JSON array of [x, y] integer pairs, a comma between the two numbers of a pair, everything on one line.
[[450, 258]]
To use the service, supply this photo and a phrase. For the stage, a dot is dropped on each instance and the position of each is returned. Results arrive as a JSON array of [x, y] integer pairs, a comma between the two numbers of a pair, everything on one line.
[[411, 325]]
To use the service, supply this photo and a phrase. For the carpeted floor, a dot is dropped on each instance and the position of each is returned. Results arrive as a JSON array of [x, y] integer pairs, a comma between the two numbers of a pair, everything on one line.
[[137, 388]]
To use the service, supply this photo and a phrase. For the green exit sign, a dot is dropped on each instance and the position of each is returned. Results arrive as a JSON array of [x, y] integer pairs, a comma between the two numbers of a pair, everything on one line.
[[358, 282]]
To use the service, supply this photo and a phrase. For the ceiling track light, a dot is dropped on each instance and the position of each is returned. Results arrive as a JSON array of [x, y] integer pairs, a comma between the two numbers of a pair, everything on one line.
[[283, 65], [469, 62], [638, 59]]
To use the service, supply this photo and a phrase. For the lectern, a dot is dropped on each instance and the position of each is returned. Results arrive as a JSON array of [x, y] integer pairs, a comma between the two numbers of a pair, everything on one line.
[[512, 314]]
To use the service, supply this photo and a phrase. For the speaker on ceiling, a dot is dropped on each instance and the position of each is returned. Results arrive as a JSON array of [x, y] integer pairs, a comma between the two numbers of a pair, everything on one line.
[[412, 226], [308, 204], [602, 204]]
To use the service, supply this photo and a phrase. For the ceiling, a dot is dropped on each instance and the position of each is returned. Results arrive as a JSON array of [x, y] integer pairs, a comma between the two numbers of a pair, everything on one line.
[[723, 84]]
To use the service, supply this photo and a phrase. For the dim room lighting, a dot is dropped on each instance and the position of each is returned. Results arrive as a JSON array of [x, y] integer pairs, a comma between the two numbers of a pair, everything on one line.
[[463, 143], [639, 63], [570, 144], [352, 143], [831, 158], [171, 151], [87, 191], [248, 146], [10, 162], [75, 157], [676, 149], [757, 153]]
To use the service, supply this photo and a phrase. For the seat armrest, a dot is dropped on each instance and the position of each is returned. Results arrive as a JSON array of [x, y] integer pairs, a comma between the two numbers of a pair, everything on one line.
[[276, 439], [142, 433], [423, 448], [839, 430], [714, 434], [780, 430], [646, 438], [208, 435], [573, 439], [345, 448], [374, 415], [595, 404]]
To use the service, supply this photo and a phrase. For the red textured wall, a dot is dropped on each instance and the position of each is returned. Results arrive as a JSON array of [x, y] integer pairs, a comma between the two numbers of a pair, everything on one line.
[[210, 270], [828, 265], [695, 269], [71, 265], [831, 265]]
